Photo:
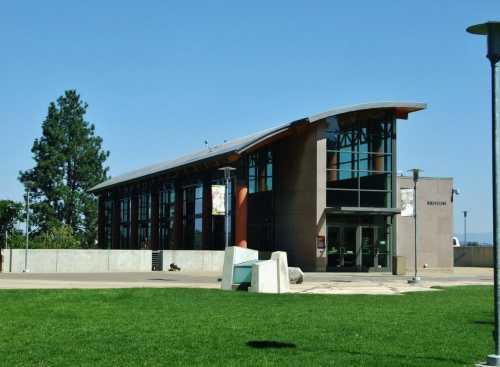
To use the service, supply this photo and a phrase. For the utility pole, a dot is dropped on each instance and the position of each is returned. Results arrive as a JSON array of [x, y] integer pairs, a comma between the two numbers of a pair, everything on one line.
[[492, 32]]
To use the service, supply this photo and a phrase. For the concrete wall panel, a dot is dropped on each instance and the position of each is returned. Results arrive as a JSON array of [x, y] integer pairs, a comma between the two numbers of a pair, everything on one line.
[[435, 224], [473, 256], [194, 260], [130, 260], [77, 261]]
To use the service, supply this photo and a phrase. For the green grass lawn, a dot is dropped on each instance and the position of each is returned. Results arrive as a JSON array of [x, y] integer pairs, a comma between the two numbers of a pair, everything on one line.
[[174, 327]]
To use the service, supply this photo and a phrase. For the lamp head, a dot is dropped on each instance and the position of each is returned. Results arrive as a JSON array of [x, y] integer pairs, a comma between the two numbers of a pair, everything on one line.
[[227, 171], [415, 173], [492, 31]]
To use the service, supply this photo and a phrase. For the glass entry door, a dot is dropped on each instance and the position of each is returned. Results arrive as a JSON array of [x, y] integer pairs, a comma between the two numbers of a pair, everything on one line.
[[342, 248], [357, 247], [374, 249]]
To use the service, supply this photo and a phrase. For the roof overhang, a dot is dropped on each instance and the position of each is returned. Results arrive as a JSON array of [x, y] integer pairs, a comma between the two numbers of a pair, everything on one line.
[[402, 109], [235, 148]]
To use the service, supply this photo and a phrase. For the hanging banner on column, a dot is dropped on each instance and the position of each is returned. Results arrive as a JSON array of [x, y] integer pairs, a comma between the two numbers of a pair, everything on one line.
[[218, 199], [407, 197]]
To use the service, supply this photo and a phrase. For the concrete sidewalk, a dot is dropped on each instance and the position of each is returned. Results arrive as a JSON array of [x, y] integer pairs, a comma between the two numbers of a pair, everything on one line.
[[314, 283], [383, 283]]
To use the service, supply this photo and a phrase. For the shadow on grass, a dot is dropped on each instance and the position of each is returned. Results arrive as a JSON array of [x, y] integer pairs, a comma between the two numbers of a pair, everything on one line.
[[483, 322], [269, 344]]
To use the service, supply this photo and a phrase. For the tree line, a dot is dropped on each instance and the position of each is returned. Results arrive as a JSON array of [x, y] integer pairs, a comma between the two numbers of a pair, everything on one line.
[[69, 160]]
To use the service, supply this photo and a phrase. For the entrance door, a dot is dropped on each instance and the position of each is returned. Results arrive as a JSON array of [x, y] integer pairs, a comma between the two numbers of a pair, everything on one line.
[[341, 245], [374, 249]]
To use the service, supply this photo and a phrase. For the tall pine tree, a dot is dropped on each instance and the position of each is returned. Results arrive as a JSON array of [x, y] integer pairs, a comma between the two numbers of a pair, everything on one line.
[[69, 160]]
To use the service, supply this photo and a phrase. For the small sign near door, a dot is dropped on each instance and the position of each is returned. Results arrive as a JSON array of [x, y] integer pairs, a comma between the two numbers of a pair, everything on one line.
[[320, 242]]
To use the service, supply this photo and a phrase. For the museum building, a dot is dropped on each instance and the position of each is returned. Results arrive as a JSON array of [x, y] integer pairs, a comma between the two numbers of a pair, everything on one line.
[[323, 188]]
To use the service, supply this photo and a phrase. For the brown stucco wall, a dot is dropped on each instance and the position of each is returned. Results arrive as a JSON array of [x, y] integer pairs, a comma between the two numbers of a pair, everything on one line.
[[295, 197], [435, 224]]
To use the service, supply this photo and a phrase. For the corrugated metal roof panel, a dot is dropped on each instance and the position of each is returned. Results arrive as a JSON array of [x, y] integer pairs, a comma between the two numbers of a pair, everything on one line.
[[239, 145]]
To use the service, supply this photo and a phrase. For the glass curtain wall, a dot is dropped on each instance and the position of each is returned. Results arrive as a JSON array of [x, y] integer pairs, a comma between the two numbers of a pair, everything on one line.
[[359, 161], [144, 220], [192, 217], [166, 217], [260, 200], [260, 171], [125, 223], [108, 222]]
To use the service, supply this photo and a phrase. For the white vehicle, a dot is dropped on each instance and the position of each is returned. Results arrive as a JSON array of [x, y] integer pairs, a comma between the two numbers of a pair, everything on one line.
[[456, 242]]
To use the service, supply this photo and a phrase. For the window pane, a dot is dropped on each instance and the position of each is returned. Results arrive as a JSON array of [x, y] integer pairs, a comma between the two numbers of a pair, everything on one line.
[[375, 199], [374, 181], [269, 183], [251, 186], [198, 206], [335, 198], [199, 192], [198, 231], [342, 179]]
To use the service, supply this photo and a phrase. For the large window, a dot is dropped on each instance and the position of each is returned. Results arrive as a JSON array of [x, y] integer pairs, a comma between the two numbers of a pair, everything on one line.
[[144, 220], [108, 222], [359, 161], [125, 223], [192, 217], [167, 217], [260, 171]]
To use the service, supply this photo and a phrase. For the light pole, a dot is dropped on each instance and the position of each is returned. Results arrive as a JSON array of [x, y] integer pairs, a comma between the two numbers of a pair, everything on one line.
[[465, 227], [227, 176], [492, 31], [416, 173], [26, 269]]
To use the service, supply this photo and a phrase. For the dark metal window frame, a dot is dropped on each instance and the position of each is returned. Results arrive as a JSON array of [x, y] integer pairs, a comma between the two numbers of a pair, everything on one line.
[[262, 164], [355, 139], [192, 198], [144, 219], [166, 214], [108, 221], [125, 222]]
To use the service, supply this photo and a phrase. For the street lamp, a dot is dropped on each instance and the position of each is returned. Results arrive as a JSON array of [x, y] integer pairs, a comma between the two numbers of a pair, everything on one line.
[[492, 31], [227, 176], [416, 173], [465, 227], [28, 184]]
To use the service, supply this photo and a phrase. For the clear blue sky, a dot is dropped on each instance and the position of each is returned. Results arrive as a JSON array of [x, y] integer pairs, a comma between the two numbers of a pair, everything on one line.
[[160, 77]]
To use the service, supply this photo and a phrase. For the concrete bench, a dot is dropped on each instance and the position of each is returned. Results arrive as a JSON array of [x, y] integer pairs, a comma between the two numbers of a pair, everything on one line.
[[243, 270]]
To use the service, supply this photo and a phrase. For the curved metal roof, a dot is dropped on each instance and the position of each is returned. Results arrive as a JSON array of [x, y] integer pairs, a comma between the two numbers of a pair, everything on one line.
[[240, 145]]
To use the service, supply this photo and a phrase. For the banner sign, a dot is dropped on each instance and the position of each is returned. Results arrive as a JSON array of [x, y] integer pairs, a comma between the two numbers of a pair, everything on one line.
[[407, 197], [218, 199]]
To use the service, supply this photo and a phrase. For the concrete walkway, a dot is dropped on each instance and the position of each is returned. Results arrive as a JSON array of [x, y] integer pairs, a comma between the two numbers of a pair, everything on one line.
[[314, 283]]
